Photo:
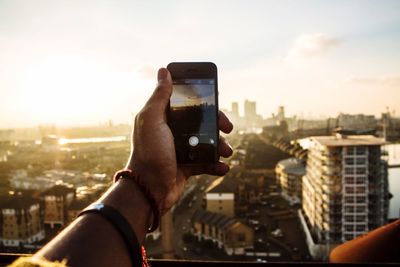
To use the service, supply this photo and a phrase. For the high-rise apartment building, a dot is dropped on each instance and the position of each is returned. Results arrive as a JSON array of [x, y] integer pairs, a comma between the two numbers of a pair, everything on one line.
[[235, 109], [345, 190]]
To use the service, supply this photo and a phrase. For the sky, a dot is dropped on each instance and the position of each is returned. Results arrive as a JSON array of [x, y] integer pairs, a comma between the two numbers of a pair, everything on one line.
[[192, 95], [85, 62]]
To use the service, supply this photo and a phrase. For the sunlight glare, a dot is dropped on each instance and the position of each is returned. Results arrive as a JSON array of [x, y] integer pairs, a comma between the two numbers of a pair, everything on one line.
[[64, 89]]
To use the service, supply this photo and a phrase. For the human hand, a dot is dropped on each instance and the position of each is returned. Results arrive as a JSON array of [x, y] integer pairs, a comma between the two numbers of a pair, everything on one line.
[[153, 152]]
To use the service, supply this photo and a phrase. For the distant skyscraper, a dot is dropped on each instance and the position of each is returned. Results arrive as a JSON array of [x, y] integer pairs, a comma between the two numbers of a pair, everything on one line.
[[250, 109], [281, 113], [235, 109], [345, 190]]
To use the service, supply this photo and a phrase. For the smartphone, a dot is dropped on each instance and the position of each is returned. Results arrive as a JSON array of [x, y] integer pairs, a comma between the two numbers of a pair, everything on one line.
[[193, 112]]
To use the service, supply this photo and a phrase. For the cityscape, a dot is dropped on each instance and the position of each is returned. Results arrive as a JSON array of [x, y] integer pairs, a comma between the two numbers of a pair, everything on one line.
[[311, 87], [297, 187]]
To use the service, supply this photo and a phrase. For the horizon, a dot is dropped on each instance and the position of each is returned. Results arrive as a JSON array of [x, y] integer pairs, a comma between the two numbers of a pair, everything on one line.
[[82, 63], [106, 123]]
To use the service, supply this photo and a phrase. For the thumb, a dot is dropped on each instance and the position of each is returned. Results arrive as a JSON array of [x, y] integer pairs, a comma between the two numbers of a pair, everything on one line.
[[163, 91]]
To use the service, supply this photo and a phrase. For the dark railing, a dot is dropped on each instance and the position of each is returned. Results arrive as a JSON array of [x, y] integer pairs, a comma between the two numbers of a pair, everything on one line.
[[7, 258]]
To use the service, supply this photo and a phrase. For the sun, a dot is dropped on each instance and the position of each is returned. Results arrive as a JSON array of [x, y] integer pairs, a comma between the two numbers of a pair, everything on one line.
[[56, 88], [68, 89]]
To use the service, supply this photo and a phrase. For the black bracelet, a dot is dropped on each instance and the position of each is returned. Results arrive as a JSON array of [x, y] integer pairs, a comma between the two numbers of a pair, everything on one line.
[[123, 227]]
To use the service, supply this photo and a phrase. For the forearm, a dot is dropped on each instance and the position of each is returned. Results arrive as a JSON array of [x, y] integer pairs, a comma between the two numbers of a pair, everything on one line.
[[93, 241]]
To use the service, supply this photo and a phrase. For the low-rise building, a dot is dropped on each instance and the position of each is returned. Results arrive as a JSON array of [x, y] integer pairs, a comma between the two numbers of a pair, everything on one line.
[[231, 235], [55, 204], [220, 197], [20, 220]]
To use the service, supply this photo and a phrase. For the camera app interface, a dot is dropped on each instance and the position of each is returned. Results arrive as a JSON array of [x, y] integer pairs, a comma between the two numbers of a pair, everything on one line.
[[193, 120]]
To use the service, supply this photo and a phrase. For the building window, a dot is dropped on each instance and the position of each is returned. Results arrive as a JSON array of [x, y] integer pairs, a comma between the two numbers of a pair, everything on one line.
[[360, 189], [349, 190], [349, 161], [349, 209], [360, 228], [349, 218], [348, 236], [361, 199], [360, 161], [361, 218], [349, 171], [360, 208], [360, 180], [360, 150], [350, 150], [241, 237], [349, 179], [349, 228], [361, 171]]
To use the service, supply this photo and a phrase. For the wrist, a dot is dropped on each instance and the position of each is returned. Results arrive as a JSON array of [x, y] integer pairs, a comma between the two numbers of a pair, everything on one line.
[[154, 203], [154, 180], [126, 197]]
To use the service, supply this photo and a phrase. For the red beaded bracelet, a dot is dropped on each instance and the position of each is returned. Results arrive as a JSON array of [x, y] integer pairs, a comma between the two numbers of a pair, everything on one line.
[[129, 174]]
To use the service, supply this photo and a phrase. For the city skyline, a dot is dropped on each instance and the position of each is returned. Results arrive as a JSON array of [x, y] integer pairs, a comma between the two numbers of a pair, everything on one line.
[[79, 63], [234, 114]]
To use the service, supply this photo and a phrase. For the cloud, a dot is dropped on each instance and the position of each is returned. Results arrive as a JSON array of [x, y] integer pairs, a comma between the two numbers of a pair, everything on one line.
[[312, 45], [390, 80]]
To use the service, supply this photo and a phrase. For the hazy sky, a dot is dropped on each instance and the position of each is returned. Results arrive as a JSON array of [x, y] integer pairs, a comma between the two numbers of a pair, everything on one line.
[[192, 95], [84, 62]]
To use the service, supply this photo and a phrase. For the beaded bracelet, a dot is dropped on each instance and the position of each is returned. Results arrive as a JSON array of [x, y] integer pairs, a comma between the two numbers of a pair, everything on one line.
[[129, 174]]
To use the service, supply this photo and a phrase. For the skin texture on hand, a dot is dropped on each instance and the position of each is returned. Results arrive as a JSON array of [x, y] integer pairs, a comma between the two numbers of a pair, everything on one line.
[[153, 156]]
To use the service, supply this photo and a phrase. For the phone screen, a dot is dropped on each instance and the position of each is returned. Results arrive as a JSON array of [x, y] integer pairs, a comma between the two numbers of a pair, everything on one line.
[[193, 120]]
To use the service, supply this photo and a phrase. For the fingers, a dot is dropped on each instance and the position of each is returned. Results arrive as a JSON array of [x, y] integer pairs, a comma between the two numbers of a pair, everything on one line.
[[224, 123], [218, 169], [163, 91], [225, 150]]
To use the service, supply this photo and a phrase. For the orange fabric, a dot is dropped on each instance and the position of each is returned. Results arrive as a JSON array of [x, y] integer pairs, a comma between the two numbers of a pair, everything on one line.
[[379, 245]]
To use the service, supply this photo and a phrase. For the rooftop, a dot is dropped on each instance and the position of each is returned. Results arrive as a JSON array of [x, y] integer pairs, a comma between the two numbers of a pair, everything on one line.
[[226, 184], [348, 140], [292, 166], [17, 201], [212, 218], [58, 190]]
